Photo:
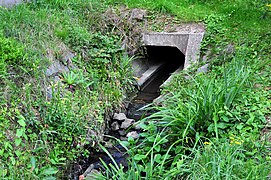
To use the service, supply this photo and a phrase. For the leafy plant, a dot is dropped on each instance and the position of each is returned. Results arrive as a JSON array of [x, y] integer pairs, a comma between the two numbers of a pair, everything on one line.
[[75, 78], [214, 34], [199, 105]]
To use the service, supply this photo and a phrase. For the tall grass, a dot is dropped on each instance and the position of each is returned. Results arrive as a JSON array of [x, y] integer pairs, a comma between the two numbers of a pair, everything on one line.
[[187, 138], [197, 107], [53, 129], [138, 169], [213, 160], [227, 161]]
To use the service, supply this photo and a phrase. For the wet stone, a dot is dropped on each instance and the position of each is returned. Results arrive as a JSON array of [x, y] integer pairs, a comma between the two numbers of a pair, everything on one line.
[[93, 174], [123, 138], [137, 127], [132, 134], [127, 123], [119, 116], [122, 132], [115, 126]]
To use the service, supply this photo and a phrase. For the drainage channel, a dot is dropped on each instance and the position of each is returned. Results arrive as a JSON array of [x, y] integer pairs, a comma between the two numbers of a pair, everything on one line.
[[149, 91], [161, 63]]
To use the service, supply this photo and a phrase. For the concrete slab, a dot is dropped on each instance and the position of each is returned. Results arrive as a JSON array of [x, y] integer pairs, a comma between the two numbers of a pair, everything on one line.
[[139, 65], [193, 49], [166, 39], [149, 74]]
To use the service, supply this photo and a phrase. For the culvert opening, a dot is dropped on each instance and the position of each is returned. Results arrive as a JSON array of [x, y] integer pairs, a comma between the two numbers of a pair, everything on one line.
[[167, 60], [160, 63]]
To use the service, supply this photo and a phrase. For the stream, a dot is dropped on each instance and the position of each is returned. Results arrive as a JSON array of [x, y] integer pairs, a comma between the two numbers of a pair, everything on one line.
[[149, 91]]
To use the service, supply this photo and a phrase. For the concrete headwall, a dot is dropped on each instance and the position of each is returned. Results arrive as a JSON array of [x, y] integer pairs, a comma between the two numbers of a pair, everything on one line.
[[187, 43]]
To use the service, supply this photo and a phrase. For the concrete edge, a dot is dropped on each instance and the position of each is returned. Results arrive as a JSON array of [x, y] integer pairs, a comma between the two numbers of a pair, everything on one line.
[[148, 74]]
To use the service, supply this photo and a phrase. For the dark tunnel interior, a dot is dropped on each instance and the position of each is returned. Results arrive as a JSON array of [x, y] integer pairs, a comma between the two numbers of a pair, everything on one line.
[[171, 58]]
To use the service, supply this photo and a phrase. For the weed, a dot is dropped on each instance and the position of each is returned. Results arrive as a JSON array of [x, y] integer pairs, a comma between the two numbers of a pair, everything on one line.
[[75, 79], [11, 54]]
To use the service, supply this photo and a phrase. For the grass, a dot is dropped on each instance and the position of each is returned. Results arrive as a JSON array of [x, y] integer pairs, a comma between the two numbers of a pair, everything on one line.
[[223, 161], [208, 127], [202, 104], [209, 106]]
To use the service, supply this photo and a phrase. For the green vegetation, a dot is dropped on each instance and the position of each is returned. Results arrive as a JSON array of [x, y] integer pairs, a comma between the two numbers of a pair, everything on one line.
[[208, 127], [45, 121]]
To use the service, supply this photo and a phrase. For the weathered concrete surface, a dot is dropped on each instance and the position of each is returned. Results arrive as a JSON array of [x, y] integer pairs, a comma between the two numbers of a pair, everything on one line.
[[187, 43], [9, 3], [139, 65], [166, 39], [149, 73], [193, 49]]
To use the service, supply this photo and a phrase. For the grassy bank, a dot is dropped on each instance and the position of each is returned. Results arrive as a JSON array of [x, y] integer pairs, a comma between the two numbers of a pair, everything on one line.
[[209, 127], [47, 120]]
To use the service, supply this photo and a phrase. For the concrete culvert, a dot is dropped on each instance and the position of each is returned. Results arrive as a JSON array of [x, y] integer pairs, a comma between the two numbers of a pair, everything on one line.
[[165, 53], [162, 61]]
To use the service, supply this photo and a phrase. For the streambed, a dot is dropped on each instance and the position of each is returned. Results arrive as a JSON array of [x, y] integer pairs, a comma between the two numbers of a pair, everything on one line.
[[123, 124]]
